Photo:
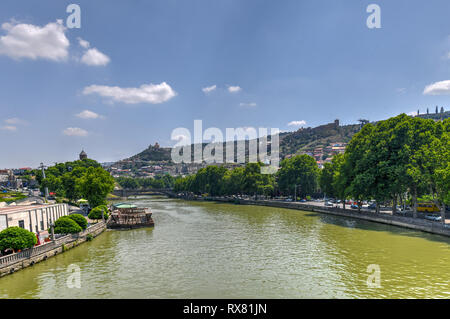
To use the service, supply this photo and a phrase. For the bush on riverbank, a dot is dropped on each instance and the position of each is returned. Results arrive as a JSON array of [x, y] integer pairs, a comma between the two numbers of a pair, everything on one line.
[[96, 213], [80, 220], [16, 238], [66, 225]]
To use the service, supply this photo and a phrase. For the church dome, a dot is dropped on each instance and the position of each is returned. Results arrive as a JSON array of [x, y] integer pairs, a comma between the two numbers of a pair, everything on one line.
[[83, 155]]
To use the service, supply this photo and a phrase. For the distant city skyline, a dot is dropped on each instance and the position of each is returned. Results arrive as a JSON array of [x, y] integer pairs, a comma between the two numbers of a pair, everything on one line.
[[135, 71]]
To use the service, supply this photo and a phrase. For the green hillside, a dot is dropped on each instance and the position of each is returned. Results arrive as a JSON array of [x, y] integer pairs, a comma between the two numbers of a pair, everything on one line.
[[301, 141]]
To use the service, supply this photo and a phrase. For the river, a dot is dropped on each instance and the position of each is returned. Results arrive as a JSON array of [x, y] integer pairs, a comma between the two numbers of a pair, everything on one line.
[[213, 250]]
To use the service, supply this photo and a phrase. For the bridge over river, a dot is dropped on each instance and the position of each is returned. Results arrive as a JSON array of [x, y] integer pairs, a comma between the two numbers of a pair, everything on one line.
[[142, 192]]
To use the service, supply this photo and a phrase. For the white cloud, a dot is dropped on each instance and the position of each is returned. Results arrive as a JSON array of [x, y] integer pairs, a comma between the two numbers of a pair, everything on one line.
[[234, 89], [75, 131], [35, 42], [252, 104], [10, 128], [95, 57], [85, 44], [11, 124], [297, 123], [15, 121], [146, 93], [438, 88], [412, 113], [209, 89], [89, 115], [92, 56], [401, 90]]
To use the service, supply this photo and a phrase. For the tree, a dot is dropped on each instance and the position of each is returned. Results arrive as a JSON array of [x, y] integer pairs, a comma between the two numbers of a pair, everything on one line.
[[70, 185], [214, 176], [16, 238], [95, 185], [418, 170], [253, 179], [96, 213], [54, 184], [80, 220], [233, 181], [326, 178], [128, 182], [299, 170], [66, 225]]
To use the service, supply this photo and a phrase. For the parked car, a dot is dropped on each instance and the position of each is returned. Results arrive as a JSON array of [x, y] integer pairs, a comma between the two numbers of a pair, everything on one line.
[[435, 218], [328, 204], [372, 206], [354, 206], [302, 200]]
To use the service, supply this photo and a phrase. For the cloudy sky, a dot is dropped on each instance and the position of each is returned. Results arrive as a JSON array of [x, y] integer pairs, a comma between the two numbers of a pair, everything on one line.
[[136, 70]]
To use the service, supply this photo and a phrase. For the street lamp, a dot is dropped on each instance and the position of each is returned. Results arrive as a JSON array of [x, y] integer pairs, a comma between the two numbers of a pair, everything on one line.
[[43, 177], [52, 228]]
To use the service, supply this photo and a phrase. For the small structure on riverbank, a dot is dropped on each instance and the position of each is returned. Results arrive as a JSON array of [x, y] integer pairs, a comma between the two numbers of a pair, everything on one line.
[[127, 216]]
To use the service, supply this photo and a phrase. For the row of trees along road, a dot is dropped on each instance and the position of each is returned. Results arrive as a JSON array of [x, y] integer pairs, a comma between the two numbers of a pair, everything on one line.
[[217, 181], [398, 159], [79, 179]]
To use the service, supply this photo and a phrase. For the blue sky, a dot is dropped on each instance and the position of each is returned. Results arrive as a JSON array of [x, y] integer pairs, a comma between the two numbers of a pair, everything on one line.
[[148, 62]]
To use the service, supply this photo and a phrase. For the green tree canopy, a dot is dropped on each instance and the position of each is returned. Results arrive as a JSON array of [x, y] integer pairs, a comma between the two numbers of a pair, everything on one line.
[[79, 219], [301, 170], [95, 185], [66, 225], [16, 238], [96, 213]]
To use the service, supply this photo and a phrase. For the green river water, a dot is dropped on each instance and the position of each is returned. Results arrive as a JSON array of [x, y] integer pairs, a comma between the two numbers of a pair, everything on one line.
[[212, 250]]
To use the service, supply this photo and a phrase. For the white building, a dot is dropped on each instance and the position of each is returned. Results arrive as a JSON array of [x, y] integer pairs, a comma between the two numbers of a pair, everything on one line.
[[35, 218]]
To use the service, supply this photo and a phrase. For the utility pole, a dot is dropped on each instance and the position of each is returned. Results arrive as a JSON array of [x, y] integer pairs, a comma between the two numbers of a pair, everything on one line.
[[43, 177]]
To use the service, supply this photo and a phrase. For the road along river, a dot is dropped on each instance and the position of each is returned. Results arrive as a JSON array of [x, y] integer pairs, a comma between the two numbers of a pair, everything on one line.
[[213, 250]]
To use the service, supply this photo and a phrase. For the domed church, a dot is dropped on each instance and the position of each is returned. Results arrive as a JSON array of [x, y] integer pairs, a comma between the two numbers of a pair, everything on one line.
[[83, 155]]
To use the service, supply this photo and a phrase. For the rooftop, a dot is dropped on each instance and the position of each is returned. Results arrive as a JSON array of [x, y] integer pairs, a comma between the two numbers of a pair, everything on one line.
[[18, 208]]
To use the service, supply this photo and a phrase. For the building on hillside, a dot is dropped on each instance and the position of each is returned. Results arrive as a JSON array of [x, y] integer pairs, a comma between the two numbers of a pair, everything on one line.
[[35, 218], [22, 171], [83, 155], [8, 179], [338, 149]]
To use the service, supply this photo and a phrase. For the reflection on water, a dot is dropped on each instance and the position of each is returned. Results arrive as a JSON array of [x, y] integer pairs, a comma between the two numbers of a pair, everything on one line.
[[211, 250]]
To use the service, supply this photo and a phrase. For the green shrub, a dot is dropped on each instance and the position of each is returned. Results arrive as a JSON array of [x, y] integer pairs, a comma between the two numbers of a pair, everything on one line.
[[89, 237], [80, 220], [96, 213], [17, 238], [66, 225]]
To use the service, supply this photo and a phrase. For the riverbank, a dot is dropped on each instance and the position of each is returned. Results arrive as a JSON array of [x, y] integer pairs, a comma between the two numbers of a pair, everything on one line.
[[400, 221], [14, 262]]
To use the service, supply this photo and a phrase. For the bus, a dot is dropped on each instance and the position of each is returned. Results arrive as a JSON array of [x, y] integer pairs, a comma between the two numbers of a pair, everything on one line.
[[427, 207]]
